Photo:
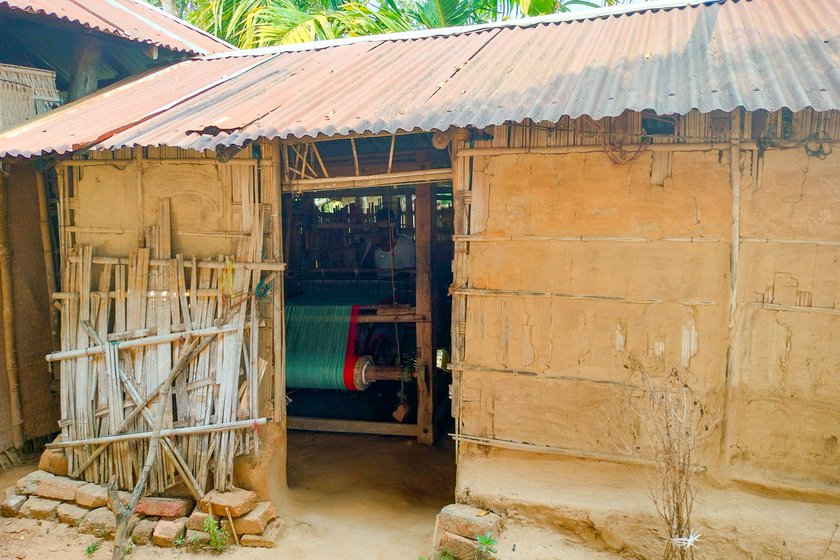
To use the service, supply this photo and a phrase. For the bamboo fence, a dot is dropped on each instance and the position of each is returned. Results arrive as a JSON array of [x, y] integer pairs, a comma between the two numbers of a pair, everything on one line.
[[124, 324]]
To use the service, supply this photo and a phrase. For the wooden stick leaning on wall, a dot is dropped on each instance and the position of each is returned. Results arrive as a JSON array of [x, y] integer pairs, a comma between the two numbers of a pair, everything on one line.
[[176, 370], [125, 513], [9, 346], [133, 392], [49, 263]]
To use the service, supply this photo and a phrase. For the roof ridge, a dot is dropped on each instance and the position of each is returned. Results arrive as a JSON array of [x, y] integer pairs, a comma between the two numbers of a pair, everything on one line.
[[183, 22], [582, 15]]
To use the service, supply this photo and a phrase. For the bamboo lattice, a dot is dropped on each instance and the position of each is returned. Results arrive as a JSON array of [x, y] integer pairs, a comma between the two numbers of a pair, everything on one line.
[[125, 322]]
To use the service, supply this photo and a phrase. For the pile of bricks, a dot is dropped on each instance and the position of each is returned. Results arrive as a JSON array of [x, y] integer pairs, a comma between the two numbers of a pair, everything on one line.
[[164, 522], [457, 527]]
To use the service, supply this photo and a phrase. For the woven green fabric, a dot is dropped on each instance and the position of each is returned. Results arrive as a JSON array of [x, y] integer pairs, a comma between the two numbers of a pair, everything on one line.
[[316, 345], [317, 326]]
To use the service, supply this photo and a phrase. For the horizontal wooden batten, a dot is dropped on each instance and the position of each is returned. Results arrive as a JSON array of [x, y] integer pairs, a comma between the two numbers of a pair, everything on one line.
[[551, 450], [121, 163], [579, 238], [379, 180], [136, 343], [542, 375], [599, 148], [264, 265], [595, 297], [351, 426], [186, 431]]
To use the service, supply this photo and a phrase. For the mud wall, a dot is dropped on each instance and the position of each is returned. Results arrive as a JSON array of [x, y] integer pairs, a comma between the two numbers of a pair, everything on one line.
[[112, 203], [568, 263]]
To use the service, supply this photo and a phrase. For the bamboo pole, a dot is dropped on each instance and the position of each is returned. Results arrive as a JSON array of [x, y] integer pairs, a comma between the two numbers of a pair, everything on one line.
[[148, 341], [594, 148], [49, 262], [377, 180], [219, 265], [277, 298], [7, 295], [171, 432]]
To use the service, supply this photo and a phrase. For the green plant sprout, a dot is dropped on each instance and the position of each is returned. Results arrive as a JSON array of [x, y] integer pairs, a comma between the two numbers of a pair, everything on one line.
[[486, 545], [219, 538], [93, 547]]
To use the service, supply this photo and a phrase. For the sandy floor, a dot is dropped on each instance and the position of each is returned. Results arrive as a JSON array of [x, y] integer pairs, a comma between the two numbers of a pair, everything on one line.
[[350, 498]]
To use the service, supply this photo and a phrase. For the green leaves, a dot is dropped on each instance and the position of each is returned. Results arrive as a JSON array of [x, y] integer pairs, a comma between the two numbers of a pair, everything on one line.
[[486, 543], [258, 23]]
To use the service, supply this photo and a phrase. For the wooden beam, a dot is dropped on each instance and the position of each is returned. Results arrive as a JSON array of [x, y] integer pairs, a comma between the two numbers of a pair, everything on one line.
[[355, 156], [423, 227], [85, 78], [682, 147], [218, 265], [49, 261], [351, 426], [378, 180]]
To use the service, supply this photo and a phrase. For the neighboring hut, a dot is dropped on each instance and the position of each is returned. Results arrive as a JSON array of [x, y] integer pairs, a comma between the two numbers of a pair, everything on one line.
[[93, 45], [670, 195], [50, 52]]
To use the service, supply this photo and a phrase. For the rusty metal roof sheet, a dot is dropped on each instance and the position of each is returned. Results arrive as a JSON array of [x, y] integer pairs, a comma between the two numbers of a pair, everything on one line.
[[756, 54], [134, 20]]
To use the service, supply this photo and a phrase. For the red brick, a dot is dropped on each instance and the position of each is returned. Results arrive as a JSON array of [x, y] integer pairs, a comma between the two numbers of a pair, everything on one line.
[[39, 508], [167, 531], [268, 539], [457, 546], [59, 488], [11, 505], [196, 520], [468, 521], [100, 522], [29, 483], [92, 496], [71, 514], [253, 522], [165, 507], [238, 502], [142, 533]]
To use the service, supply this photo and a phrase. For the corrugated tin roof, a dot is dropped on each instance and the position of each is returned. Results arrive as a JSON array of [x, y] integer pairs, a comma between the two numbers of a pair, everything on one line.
[[756, 54], [134, 20]]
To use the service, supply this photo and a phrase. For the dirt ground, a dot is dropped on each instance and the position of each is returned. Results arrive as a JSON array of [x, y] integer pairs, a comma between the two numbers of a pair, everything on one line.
[[350, 497]]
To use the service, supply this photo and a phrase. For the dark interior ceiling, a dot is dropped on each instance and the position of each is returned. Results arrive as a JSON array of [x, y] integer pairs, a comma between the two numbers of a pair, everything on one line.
[[41, 42]]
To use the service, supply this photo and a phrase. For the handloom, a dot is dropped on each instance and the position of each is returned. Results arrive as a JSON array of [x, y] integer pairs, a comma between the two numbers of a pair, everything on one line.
[[321, 333]]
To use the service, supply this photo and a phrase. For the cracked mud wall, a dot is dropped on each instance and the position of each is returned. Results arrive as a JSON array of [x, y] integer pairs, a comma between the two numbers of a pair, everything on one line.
[[583, 262], [575, 262], [785, 421]]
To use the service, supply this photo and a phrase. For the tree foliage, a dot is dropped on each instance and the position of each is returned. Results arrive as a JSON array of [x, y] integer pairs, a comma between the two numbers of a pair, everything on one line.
[[258, 23]]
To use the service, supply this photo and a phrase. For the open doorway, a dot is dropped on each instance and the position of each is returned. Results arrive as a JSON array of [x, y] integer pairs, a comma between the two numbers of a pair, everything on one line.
[[367, 338]]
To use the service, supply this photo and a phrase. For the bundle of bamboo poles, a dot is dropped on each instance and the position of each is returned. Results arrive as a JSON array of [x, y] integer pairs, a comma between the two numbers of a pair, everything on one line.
[[147, 319]]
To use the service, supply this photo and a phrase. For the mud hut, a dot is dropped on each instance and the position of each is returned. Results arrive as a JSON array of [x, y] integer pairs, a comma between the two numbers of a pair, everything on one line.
[[52, 52], [669, 196]]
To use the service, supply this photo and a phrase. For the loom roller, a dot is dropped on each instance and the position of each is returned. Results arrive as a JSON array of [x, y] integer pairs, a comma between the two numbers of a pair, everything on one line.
[[320, 349]]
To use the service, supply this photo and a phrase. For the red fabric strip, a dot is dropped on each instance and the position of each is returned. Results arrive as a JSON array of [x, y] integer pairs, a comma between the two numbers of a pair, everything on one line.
[[350, 354]]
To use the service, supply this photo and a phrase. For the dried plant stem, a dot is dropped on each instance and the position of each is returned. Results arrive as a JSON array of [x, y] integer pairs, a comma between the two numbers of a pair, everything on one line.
[[665, 418]]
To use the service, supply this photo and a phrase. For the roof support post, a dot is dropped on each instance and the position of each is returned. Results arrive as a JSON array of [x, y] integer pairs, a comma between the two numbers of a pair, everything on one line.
[[85, 76], [278, 297]]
